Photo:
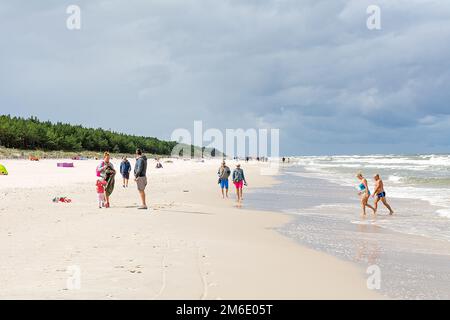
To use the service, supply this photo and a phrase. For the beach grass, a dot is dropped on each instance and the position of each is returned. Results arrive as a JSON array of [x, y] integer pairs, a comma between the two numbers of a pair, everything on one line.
[[11, 153]]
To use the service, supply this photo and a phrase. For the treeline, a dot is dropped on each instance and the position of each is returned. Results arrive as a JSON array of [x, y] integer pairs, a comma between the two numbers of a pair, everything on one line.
[[20, 133]]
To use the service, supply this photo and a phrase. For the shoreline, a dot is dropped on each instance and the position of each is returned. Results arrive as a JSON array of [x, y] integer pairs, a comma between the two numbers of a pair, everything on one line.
[[361, 242], [191, 245]]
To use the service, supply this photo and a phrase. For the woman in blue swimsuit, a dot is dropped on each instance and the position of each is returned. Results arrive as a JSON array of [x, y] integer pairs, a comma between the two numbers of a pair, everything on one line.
[[364, 192]]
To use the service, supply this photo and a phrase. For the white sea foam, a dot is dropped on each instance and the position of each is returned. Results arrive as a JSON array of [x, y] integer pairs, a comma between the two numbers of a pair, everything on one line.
[[444, 213], [421, 177], [395, 179]]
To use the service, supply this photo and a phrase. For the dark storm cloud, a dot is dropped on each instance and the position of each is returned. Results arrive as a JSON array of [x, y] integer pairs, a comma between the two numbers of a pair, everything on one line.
[[310, 68]]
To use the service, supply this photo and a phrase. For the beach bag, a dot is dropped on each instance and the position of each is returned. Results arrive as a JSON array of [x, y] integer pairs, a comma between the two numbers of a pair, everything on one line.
[[97, 170]]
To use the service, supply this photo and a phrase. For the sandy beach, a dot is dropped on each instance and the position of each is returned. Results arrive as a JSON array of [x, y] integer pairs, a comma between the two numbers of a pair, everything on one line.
[[191, 244]]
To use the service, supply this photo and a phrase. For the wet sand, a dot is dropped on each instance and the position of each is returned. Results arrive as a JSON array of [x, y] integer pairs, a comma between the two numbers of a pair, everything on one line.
[[326, 217]]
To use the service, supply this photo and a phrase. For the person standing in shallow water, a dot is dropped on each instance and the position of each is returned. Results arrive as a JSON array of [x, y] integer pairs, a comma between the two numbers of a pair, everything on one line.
[[364, 193], [125, 168], [380, 194], [140, 176]]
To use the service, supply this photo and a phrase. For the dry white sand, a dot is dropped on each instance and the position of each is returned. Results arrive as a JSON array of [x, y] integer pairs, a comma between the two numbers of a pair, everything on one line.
[[191, 244]]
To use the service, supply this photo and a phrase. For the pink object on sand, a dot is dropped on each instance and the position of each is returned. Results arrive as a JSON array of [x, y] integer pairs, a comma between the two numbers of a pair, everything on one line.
[[65, 164]]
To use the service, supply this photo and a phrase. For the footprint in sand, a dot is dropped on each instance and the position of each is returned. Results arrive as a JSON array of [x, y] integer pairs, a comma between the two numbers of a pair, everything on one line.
[[206, 272], [135, 271]]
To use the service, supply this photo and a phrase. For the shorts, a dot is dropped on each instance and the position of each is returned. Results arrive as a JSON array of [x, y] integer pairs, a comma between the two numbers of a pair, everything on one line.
[[381, 195], [141, 183], [239, 184], [126, 175], [224, 183], [101, 197]]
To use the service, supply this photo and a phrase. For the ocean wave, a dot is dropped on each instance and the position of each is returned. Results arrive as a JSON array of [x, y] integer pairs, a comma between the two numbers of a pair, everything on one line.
[[395, 179], [444, 213], [421, 160], [421, 181], [408, 181]]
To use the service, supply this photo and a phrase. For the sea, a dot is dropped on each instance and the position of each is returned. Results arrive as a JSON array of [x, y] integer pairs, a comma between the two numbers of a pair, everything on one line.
[[410, 249]]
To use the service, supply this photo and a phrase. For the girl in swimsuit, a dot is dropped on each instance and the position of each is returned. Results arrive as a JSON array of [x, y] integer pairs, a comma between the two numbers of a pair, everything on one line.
[[364, 192]]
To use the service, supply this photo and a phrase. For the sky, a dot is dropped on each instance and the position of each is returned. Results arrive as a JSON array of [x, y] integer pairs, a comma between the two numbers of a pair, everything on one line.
[[310, 68]]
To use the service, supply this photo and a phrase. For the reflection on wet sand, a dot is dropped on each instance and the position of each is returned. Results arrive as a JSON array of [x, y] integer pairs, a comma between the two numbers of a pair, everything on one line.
[[367, 250]]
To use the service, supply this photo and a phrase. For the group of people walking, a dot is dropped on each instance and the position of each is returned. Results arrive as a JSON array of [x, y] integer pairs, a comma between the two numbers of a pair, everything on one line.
[[106, 178], [237, 177], [379, 193]]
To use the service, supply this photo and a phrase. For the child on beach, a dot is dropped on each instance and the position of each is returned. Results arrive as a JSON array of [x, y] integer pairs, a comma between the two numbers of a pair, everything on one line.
[[101, 183]]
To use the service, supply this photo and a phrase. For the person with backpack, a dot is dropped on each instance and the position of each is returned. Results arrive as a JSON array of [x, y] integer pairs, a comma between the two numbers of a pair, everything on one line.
[[239, 182]]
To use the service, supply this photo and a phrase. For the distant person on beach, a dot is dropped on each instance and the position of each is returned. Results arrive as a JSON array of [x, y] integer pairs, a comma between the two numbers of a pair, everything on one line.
[[140, 176], [364, 192], [158, 164], [380, 194], [125, 168], [107, 172], [239, 182], [224, 172]]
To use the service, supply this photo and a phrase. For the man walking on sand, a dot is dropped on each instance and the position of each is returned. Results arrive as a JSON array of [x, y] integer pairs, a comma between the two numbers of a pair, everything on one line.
[[125, 168], [380, 194], [224, 172], [140, 176]]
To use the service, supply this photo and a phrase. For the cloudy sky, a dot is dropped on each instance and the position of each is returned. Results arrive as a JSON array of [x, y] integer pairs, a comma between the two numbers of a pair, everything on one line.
[[311, 68]]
